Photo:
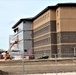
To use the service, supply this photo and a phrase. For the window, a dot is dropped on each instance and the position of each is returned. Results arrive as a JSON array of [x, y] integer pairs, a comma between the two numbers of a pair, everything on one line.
[[16, 30], [47, 15], [57, 12], [58, 38], [58, 35], [57, 25], [25, 50]]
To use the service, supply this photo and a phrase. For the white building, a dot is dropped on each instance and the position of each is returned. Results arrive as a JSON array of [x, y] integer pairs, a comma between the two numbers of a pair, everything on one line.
[[23, 33]]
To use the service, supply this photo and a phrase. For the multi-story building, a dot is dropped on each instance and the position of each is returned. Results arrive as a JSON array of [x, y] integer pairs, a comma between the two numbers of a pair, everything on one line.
[[23, 32], [44, 32], [66, 28], [54, 31]]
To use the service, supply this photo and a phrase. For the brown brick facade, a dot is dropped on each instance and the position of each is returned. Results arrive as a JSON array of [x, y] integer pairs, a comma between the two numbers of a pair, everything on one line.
[[66, 42], [66, 50], [44, 36], [68, 37]]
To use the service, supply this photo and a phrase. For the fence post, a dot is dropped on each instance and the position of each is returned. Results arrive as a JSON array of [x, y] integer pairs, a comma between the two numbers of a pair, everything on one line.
[[22, 63], [56, 64]]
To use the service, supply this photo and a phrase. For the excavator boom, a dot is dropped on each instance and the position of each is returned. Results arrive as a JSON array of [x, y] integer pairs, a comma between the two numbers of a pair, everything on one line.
[[12, 45]]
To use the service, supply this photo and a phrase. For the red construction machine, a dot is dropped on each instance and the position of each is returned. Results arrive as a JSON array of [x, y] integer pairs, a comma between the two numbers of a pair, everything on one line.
[[7, 55]]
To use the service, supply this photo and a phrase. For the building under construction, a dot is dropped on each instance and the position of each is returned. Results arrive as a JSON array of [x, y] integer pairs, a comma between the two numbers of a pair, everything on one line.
[[52, 31]]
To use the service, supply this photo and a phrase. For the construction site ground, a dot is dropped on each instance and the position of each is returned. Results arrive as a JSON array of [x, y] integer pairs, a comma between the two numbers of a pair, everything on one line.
[[15, 67]]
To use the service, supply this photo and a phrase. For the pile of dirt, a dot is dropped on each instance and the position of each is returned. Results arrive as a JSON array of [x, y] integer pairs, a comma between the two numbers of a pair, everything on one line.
[[3, 73]]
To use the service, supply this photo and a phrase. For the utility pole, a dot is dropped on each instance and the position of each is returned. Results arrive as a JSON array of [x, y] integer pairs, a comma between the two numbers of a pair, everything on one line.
[[22, 63], [56, 64], [23, 60]]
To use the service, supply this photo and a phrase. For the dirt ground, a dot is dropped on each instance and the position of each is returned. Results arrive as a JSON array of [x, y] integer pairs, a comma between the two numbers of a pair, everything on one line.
[[12, 67], [3, 73]]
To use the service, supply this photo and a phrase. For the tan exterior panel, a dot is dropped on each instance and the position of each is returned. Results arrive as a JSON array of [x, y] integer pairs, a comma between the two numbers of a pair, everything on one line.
[[66, 19], [66, 43], [52, 15], [46, 17], [58, 14], [67, 12], [42, 19], [45, 45], [68, 25]]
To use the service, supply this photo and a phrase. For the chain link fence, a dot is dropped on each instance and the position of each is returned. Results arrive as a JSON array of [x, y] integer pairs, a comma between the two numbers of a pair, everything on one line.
[[38, 64]]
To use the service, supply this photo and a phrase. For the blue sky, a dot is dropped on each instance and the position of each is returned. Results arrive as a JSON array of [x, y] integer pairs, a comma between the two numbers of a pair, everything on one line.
[[12, 10]]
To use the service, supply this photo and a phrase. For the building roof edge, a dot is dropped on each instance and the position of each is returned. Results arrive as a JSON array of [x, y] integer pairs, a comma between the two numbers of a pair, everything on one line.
[[23, 19], [46, 9]]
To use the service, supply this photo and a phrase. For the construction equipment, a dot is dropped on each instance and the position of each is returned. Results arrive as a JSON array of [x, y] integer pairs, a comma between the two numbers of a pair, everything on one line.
[[7, 55], [12, 45]]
